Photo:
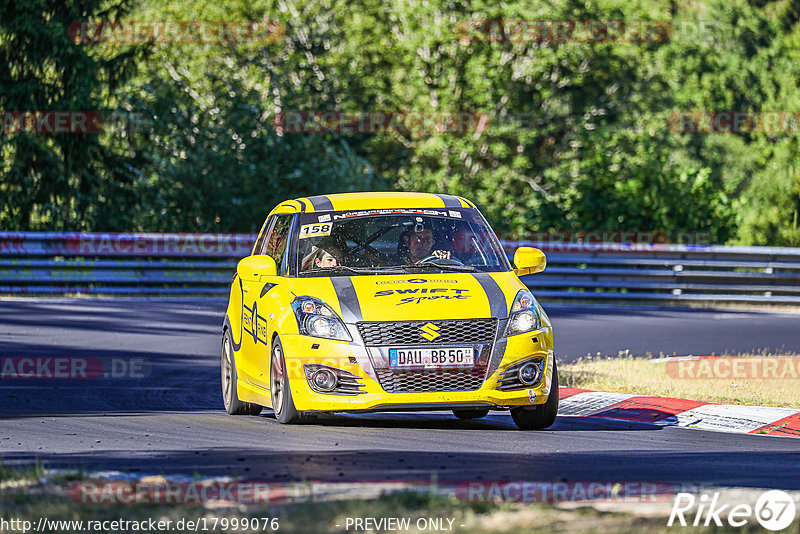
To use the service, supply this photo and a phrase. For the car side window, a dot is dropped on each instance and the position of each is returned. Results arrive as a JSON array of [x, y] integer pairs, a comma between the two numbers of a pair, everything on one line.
[[262, 236], [278, 239]]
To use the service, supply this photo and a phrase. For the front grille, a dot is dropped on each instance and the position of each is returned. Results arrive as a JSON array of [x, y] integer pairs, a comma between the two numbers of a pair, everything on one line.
[[413, 381], [395, 333]]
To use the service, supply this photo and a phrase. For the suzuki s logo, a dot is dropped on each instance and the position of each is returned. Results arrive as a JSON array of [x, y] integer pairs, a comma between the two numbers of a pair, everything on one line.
[[429, 331]]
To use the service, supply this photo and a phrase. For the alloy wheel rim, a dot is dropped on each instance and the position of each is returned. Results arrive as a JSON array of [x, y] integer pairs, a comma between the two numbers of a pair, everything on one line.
[[277, 383], [227, 381]]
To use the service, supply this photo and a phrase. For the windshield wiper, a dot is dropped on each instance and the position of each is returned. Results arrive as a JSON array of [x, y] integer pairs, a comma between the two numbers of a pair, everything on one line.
[[429, 264], [339, 269], [388, 269]]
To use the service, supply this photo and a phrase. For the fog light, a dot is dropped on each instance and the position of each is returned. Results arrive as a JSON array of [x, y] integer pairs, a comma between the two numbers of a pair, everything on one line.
[[528, 373], [324, 380]]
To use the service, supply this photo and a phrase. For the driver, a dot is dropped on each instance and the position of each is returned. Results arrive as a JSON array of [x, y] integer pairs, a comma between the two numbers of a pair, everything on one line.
[[418, 243]]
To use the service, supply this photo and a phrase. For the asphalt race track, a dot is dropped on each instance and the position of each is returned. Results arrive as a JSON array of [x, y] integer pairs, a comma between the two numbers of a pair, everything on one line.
[[168, 419]]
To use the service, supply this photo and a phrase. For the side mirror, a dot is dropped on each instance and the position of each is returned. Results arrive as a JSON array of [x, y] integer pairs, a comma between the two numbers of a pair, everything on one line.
[[529, 260], [252, 268]]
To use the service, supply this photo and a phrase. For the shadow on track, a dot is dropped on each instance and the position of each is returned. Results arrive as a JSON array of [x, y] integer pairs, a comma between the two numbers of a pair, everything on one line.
[[737, 468]]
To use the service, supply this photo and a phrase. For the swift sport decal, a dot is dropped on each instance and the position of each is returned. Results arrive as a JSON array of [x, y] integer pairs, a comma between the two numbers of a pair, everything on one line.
[[425, 294], [423, 290], [417, 300]]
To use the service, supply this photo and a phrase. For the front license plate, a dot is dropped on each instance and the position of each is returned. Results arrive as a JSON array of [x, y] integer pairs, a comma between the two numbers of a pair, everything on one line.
[[432, 358]]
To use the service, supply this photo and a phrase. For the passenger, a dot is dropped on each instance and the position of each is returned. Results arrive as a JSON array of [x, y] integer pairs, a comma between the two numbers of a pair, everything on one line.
[[320, 258]]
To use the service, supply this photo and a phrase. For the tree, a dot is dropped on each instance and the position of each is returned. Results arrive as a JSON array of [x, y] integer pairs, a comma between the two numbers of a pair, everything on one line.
[[58, 181]]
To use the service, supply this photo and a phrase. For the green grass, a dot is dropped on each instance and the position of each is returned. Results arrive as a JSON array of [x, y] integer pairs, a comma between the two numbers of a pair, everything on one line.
[[648, 376]]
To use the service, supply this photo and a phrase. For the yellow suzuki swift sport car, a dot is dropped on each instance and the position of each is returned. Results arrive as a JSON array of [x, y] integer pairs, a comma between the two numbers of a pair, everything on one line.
[[370, 302]]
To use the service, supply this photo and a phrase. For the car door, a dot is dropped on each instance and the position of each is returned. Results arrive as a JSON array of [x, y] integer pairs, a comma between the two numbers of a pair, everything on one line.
[[258, 308]]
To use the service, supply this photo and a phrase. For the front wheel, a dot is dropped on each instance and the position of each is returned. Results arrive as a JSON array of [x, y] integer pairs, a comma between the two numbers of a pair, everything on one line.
[[282, 402], [229, 378], [541, 416]]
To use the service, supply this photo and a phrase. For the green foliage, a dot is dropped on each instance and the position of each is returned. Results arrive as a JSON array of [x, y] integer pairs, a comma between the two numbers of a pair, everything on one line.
[[219, 164], [56, 182]]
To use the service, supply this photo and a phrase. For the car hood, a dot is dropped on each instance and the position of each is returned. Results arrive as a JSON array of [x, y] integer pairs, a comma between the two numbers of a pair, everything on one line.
[[416, 297]]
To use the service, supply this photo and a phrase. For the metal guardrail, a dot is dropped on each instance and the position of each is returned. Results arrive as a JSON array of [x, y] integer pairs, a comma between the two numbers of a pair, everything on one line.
[[151, 264], [671, 273], [120, 264]]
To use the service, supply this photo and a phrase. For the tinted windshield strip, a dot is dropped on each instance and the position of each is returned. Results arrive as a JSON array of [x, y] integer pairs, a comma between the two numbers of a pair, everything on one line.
[[450, 201], [498, 306], [348, 299], [321, 203]]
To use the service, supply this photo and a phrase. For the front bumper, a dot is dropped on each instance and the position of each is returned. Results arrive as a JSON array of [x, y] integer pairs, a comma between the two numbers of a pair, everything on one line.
[[301, 351]]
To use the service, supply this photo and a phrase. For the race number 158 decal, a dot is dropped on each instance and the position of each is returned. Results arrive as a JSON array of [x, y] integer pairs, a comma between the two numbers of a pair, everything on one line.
[[315, 230]]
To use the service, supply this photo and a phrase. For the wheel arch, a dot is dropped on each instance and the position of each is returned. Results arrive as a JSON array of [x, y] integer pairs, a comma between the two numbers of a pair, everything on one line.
[[226, 327]]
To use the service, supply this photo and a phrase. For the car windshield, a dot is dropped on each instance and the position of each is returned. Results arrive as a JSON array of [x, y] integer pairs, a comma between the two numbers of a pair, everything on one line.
[[396, 241]]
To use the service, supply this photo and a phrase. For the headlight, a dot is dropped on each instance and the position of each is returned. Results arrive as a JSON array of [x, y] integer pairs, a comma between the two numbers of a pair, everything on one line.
[[317, 319], [524, 316]]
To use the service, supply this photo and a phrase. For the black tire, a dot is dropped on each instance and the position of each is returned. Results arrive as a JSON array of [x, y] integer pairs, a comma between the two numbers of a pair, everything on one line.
[[472, 413], [282, 403], [541, 416], [229, 378]]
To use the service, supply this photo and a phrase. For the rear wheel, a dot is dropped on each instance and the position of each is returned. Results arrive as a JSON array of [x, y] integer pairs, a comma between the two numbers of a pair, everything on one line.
[[229, 395], [473, 413], [282, 402], [540, 416]]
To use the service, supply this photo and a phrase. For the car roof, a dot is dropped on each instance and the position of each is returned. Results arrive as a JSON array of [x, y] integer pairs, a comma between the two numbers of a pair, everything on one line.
[[371, 200]]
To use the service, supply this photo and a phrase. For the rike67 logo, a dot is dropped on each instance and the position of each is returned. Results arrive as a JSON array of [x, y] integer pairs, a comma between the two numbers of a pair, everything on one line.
[[774, 510]]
